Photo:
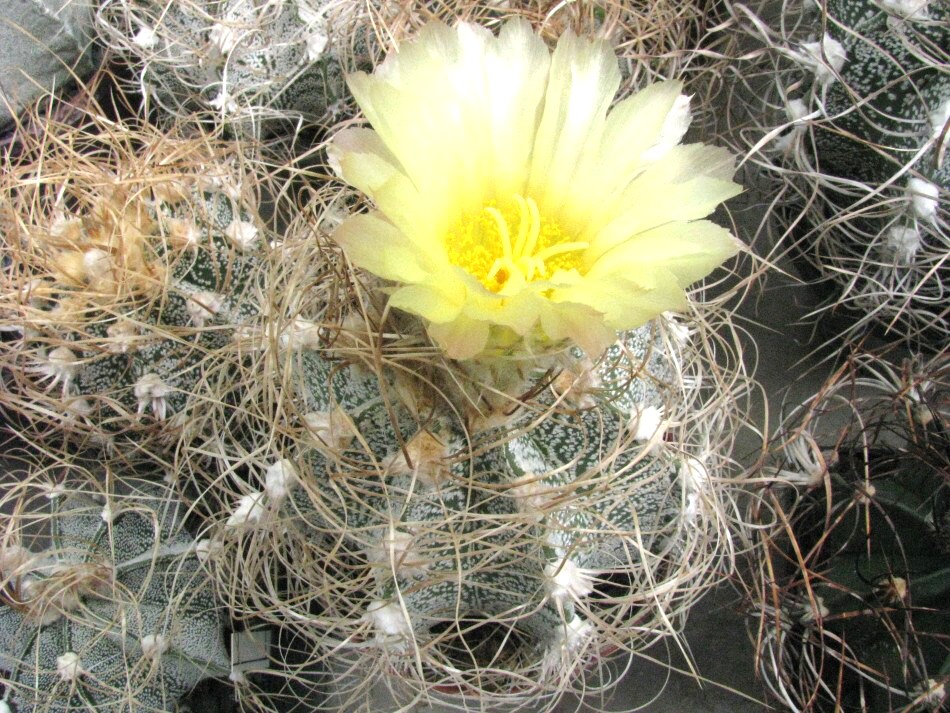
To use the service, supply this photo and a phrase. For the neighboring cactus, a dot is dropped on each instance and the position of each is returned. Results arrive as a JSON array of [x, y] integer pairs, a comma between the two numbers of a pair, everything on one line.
[[254, 67], [47, 44], [650, 39], [851, 597], [863, 161], [265, 68], [116, 615], [124, 282]]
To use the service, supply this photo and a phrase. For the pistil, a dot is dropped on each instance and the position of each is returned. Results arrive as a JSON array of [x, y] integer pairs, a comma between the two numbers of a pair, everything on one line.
[[520, 257]]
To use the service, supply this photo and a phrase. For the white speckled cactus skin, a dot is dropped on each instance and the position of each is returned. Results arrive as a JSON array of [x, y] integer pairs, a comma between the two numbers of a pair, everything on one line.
[[244, 64], [887, 129], [893, 64], [116, 615], [865, 88], [513, 520], [123, 308]]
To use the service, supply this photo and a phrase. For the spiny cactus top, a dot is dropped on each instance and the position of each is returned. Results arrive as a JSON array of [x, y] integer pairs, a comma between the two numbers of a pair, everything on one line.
[[127, 291], [865, 602], [116, 615], [245, 64], [895, 66]]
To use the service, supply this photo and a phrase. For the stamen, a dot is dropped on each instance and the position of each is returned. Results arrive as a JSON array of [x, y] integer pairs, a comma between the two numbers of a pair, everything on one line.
[[550, 252], [476, 245], [525, 268]]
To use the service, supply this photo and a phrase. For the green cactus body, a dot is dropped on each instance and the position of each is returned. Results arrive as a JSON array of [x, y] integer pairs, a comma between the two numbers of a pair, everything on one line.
[[902, 87], [116, 616], [863, 616], [46, 46], [507, 525], [125, 309], [885, 594], [862, 88], [203, 305], [248, 64], [883, 125]]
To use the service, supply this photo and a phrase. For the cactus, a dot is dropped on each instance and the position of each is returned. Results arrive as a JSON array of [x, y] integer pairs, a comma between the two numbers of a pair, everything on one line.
[[480, 547], [490, 529], [125, 281], [852, 588], [116, 615], [267, 68], [484, 520], [256, 68], [862, 161], [47, 44]]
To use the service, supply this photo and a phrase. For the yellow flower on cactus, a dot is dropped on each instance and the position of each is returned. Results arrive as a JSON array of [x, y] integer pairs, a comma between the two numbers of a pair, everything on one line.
[[513, 204]]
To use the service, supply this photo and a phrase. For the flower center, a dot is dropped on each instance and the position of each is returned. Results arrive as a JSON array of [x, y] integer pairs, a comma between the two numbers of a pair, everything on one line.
[[506, 246]]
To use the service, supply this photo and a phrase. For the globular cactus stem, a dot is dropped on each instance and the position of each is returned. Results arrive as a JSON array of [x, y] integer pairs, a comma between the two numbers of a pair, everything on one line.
[[125, 283], [256, 68], [487, 552], [116, 614]]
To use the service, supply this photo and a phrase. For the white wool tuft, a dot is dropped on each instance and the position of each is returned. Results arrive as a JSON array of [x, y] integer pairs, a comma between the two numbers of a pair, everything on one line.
[[924, 198], [279, 479], [248, 511], [69, 667], [565, 580], [826, 58]]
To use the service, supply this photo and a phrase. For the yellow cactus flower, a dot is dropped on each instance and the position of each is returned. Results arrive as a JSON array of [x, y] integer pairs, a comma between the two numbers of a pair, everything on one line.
[[514, 206]]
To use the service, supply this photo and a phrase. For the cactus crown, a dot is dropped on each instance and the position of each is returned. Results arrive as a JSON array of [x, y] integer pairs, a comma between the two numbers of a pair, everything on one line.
[[115, 614], [476, 530], [862, 91], [129, 276]]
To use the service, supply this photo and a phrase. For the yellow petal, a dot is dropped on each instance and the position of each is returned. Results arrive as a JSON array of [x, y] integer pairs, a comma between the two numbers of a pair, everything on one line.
[[519, 312], [657, 292], [632, 127], [584, 78], [440, 302], [462, 338], [459, 109], [427, 103], [361, 141], [363, 161], [685, 185], [516, 74], [579, 323], [376, 245], [688, 251], [624, 303], [463, 122]]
